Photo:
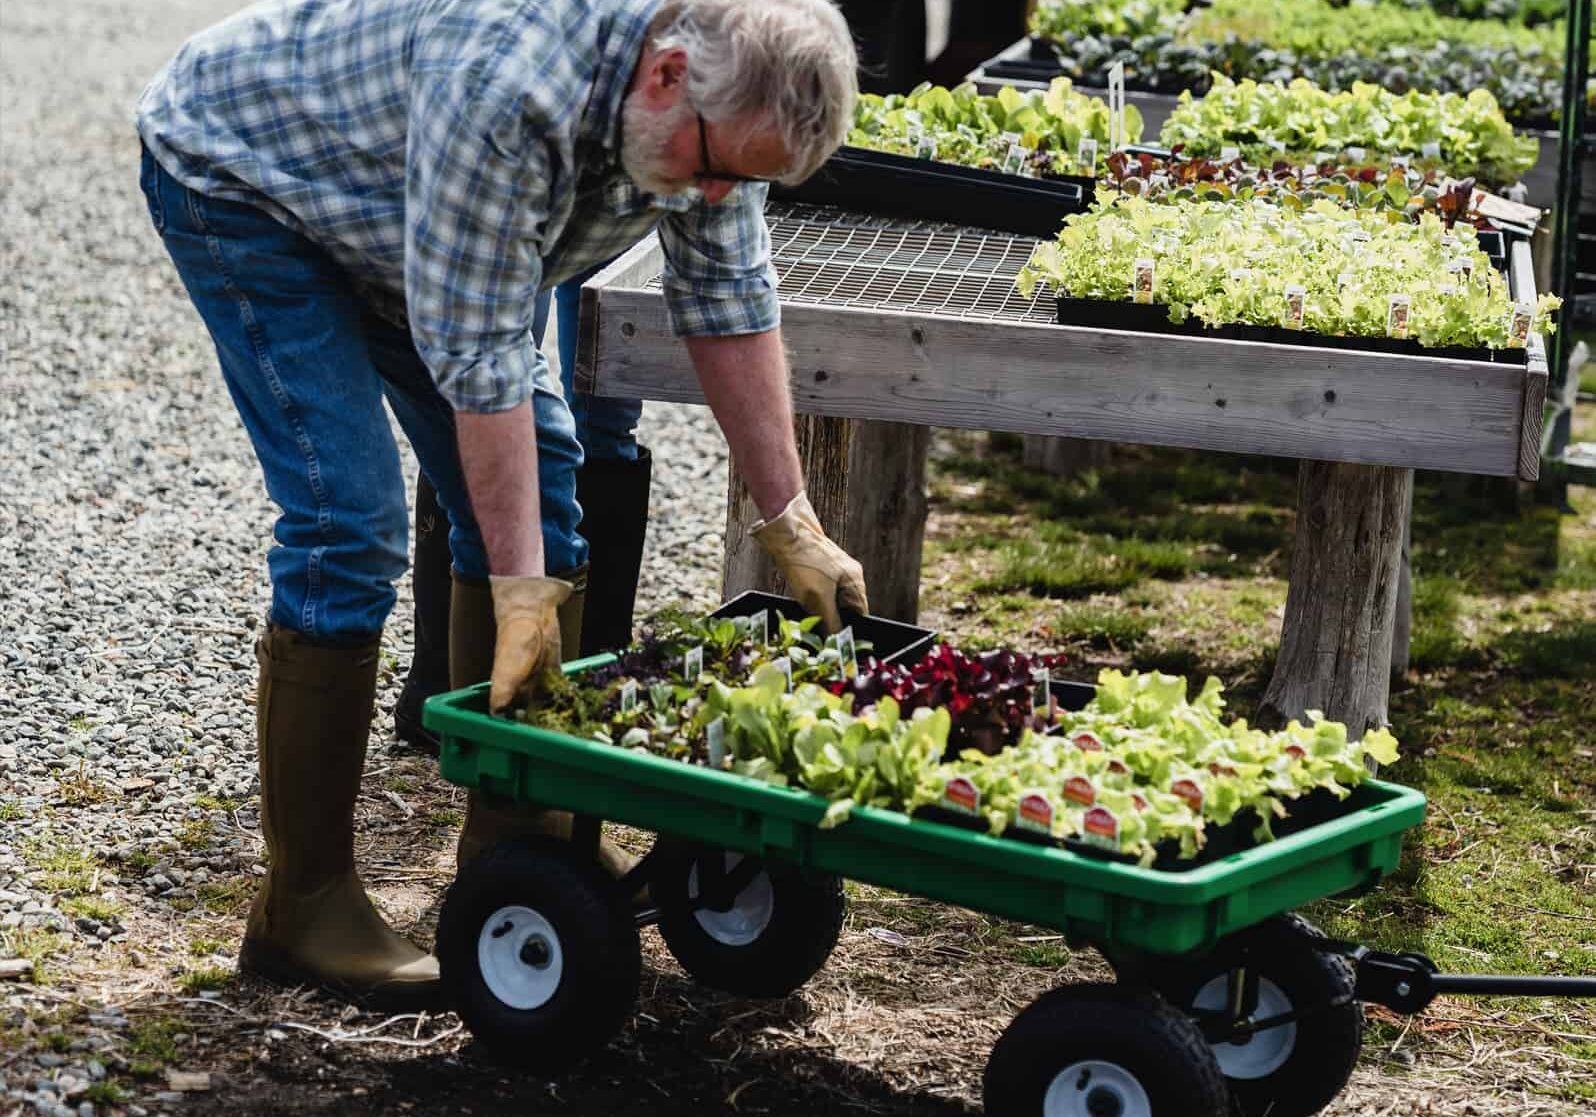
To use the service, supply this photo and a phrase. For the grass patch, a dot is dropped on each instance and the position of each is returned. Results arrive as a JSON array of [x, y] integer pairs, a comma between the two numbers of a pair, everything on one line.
[[196, 833], [1057, 563], [443, 817], [97, 908], [106, 1092], [65, 870], [1104, 624], [151, 1045], [215, 803], [36, 945], [204, 948], [195, 982], [227, 896], [10, 810]]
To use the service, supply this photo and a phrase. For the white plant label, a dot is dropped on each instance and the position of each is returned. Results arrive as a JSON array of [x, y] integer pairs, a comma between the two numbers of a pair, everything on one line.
[[628, 696], [1143, 281], [1086, 157], [1296, 306], [1014, 163], [1100, 827], [717, 742], [847, 653], [1518, 325], [1229, 153], [1116, 106], [1396, 316], [1042, 690], [759, 627], [926, 146], [960, 795], [1035, 813], [1431, 150], [693, 664], [1356, 154], [784, 665]]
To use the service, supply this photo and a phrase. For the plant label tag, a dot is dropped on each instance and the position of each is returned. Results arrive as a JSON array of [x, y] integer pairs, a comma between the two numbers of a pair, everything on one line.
[[1190, 791], [628, 696], [1117, 766], [1356, 154], [1240, 274], [693, 664], [1277, 146], [1396, 316], [1229, 153], [1518, 325], [1116, 106], [1447, 289], [1499, 208], [847, 654], [1035, 813], [1100, 827], [1343, 281], [968, 133], [1142, 284], [1014, 163], [1296, 306], [1431, 150], [1320, 158], [1462, 266], [1449, 243], [759, 627], [960, 795], [1086, 157], [926, 146], [784, 665], [1138, 799], [1079, 789], [1296, 752], [1042, 691], [717, 742], [1087, 741], [1401, 162]]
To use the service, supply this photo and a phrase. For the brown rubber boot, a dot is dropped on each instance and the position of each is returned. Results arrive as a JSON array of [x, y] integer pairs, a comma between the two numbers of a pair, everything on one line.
[[471, 637], [312, 922]]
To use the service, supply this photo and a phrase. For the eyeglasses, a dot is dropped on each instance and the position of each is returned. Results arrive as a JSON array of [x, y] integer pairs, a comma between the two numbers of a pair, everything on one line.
[[718, 176]]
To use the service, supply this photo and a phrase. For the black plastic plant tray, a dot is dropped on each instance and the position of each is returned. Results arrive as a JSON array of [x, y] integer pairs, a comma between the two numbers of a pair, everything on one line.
[[890, 641], [1153, 318], [924, 189]]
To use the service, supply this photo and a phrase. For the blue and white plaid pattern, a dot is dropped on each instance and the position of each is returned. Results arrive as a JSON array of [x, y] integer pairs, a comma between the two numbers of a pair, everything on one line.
[[455, 156]]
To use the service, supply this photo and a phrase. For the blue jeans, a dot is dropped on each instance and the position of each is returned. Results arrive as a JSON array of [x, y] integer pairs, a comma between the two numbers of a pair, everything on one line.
[[308, 366], [607, 428]]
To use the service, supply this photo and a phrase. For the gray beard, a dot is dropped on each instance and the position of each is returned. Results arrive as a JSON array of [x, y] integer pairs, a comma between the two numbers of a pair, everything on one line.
[[645, 136]]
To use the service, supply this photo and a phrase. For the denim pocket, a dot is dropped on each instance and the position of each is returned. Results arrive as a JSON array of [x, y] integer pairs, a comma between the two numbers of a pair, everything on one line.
[[150, 183]]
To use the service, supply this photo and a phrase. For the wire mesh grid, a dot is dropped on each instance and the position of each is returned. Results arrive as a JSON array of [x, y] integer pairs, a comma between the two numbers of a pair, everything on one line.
[[837, 258]]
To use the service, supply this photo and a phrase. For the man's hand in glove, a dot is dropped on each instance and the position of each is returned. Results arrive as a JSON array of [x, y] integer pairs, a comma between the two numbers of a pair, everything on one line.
[[822, 575], [527, 651]]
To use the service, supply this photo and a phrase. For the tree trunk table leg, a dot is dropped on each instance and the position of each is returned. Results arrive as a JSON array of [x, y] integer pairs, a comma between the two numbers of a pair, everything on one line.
[[867, 482], [1335, 645], [1063, 457], [1402, 630]]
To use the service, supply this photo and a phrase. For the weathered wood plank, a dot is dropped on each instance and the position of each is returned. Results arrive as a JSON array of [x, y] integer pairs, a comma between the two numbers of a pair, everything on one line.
[[1521, 267], [1200, 393], [631, 269]]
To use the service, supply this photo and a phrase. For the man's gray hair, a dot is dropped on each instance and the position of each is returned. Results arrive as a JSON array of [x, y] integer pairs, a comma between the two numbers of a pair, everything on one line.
[[791, 62]]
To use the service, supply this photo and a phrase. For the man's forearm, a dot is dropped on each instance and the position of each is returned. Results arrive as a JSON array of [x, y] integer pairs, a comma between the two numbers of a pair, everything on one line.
[[498, 453], [744, 379]]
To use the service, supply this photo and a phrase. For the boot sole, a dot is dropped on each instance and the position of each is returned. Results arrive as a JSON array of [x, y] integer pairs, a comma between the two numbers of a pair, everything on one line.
[[410, 730], [274, 966]]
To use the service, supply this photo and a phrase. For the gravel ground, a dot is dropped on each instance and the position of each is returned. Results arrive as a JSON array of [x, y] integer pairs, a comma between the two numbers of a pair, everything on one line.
[[133, 525]]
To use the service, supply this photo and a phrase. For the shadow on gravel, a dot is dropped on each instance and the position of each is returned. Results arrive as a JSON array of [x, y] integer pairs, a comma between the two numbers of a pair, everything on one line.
[[689, 1051]]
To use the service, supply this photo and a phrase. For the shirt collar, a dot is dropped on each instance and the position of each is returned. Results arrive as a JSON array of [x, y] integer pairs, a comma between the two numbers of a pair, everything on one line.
[[620, 44]]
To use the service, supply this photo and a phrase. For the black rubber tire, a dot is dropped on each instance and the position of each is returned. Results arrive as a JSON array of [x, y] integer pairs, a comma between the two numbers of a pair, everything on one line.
[[806, 916], [1134, 1029], [597, 934], [1327, 1041]]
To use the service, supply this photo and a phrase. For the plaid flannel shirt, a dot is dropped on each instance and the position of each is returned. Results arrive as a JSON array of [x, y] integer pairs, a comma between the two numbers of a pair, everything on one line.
[[455, 156]]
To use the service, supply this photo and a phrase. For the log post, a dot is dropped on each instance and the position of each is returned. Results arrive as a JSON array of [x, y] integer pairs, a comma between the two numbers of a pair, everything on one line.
[[1335, 644], [867, 483]]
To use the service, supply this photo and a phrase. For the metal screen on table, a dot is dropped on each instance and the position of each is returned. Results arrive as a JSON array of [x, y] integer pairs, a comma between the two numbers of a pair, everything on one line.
[[830, 257]]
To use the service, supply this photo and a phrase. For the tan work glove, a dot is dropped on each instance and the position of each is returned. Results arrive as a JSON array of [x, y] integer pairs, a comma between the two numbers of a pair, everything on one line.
[[527, 649], [822, 575]]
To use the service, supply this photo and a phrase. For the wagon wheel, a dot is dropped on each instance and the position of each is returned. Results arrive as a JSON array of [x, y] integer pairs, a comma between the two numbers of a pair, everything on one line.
[[1103, 1051], [539, 954], [1295, 1069], [754, 928]]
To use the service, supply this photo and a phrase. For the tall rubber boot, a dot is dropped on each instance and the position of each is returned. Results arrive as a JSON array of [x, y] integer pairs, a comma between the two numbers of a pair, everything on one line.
[[312, 922], [429, 587], [472, 630], [613, 495]]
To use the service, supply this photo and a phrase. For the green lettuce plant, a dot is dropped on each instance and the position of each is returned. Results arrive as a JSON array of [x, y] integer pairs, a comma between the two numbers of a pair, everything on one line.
[[1226, 263]]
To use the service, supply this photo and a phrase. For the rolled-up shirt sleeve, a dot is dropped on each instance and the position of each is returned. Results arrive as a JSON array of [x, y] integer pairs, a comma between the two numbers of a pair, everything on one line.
[[476, 200], [718, 279]]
